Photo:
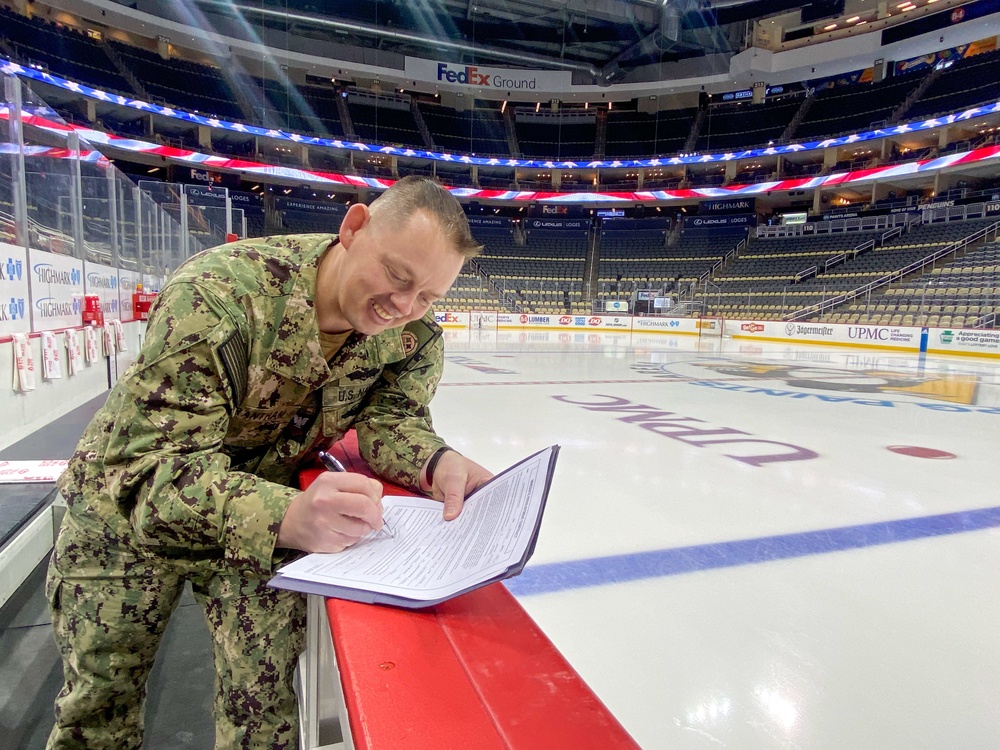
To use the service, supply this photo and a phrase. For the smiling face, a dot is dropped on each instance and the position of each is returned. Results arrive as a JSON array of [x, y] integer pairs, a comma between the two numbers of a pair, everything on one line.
[[382, 274]]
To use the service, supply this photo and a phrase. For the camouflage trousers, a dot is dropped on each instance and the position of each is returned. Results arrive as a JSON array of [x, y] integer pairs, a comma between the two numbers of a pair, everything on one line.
[[110, 605]]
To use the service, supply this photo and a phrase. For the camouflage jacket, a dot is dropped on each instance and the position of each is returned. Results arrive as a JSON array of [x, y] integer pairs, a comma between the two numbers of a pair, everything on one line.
[[200, 439]]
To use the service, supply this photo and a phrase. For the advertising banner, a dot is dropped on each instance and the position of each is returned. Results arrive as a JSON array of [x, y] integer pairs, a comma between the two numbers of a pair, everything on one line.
[[14, 312], [321, 207], [616, 306], [483, 320], [487, 78], [127, 282], [981, 342], [498, 222], [725, 220], [685, 326], [618, 322], [103, 281], [833, 334], [56, 283], [452, 319], [205, 195], [728, 206], [558, 224], [564, 322]]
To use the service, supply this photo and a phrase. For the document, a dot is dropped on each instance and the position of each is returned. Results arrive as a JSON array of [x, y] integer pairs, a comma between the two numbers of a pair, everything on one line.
[[428, 560]]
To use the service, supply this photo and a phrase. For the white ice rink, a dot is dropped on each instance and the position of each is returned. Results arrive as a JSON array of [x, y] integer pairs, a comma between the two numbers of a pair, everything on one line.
[[750, 545]]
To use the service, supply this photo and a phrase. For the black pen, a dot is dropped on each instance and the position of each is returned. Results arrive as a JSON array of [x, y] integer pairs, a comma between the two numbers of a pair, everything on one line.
[[330, 463]]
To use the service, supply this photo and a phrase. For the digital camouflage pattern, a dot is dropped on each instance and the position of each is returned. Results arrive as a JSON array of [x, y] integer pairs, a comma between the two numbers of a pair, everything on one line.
[[186, 472]]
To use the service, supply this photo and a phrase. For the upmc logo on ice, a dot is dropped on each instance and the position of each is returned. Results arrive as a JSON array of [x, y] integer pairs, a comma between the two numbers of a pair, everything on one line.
[[12, 270]]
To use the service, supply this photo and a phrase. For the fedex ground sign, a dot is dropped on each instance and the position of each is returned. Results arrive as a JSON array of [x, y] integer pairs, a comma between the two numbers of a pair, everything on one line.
[[498, 79]]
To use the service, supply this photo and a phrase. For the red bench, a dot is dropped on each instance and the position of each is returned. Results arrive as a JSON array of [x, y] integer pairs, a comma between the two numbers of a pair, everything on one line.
[[473, 672]]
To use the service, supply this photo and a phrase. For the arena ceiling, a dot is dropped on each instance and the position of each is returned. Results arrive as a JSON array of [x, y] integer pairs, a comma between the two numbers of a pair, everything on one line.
[[598, 39]]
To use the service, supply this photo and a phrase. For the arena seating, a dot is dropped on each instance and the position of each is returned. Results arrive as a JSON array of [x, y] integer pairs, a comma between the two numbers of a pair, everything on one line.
[[762, 282], [471, 291], [190, 86], [647, 262], [380, 119], [543, 275], [959, 293], [311, 109], [862, 106], [559, 135], [323, 103], [479, 131], [62, 51], [746, 125], [966, 83], [633, 134]]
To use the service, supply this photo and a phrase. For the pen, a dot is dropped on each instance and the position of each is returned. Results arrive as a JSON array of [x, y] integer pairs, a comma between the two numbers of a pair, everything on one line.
[[330, 463]]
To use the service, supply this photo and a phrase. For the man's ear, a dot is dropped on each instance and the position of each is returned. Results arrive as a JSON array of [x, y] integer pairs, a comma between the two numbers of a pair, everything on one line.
[[356, 219]]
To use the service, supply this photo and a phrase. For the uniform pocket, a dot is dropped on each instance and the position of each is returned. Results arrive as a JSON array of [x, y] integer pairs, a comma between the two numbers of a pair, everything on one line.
[[53, 589]]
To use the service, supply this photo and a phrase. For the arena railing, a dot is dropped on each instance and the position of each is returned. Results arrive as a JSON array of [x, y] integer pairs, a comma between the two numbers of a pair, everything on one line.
[[982, 235], [66, 197]]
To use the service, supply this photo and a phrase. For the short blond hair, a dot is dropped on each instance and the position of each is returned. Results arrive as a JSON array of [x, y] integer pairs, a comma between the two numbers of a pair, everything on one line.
[[414, 193]]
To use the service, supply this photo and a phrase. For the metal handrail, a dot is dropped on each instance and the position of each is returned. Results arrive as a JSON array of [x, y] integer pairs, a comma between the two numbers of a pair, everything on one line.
[[834, 260], [864, 247], [840, 299], [805, 274], [986, 321], [891, 233]]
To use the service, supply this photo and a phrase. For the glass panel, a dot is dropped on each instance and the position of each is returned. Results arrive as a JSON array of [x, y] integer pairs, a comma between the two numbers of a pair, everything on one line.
[[51, 163], [10, 180]]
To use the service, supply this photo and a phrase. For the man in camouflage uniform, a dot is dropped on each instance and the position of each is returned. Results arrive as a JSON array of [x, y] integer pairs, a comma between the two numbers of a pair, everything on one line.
[[257, 354]]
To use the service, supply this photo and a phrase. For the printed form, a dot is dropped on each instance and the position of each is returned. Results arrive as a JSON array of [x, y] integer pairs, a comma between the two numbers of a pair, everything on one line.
[[428, 558]]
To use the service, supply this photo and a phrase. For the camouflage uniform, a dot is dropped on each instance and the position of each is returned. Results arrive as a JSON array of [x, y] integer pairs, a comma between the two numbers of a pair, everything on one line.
[[185, 474]]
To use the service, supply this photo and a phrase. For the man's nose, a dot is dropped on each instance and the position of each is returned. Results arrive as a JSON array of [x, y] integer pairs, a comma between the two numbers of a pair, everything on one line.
[[403, 302]]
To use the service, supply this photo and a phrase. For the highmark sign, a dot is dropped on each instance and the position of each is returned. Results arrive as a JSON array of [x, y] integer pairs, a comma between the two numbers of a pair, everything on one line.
[[485, 78]]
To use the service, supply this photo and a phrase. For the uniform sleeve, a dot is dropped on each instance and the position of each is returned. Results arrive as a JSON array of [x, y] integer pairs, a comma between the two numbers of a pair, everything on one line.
[[164, 465], [395, 432]]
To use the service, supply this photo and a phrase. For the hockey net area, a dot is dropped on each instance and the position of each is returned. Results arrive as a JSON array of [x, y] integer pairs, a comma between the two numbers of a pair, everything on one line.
[[710, 327]]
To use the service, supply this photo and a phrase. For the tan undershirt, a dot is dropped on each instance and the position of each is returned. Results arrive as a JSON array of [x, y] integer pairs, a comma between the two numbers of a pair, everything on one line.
[[330, 343]]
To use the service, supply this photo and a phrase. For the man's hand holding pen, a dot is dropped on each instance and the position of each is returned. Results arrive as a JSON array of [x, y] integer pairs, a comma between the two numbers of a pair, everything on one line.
[[330, 463], [337, 510]]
